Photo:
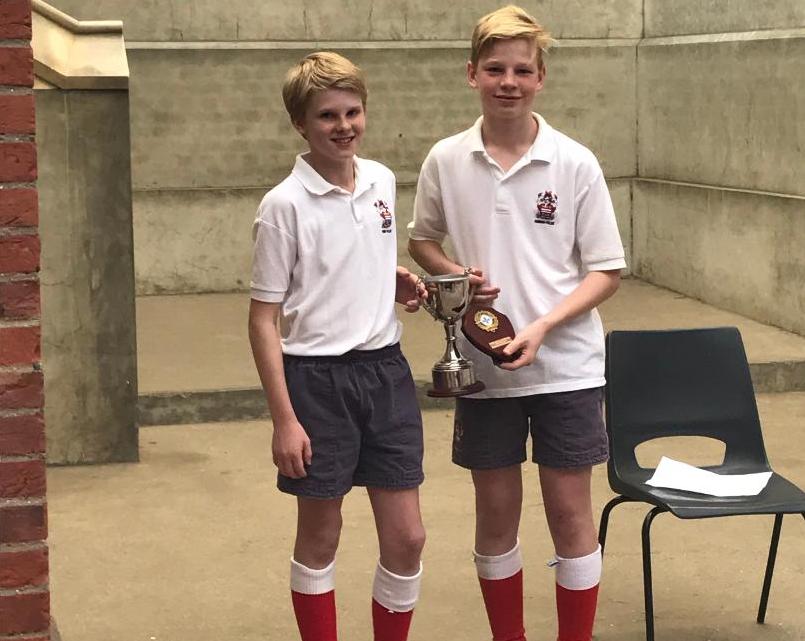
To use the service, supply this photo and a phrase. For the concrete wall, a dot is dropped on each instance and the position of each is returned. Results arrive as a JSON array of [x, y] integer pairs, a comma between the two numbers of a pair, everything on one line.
[[720, 123], [210, 135], [735, 249], [698, 92], [241, 20], [682, 17], [88, 345]]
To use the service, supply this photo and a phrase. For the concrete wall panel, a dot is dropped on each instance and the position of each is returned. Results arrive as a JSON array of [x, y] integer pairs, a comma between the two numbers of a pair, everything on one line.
[[194, 240], [167, 20], [736, 250], [664, 18], [726, 113], [212, 118], [88, 334]]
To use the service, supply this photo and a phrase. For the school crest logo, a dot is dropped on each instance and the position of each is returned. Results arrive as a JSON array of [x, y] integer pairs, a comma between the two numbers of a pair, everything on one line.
[[385, 216], [545, 211]]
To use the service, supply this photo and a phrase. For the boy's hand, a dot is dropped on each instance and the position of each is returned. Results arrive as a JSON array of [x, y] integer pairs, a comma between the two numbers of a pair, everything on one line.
[[410, 290], [484, 293], [527, 342], [290, 447]]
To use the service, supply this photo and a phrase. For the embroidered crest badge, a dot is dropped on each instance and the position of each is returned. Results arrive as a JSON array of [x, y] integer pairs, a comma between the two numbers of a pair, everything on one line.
[[385, 216], [545, 211]]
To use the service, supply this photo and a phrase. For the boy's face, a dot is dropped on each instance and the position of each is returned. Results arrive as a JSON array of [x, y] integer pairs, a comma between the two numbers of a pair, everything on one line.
[[507, 78], [333, 125]]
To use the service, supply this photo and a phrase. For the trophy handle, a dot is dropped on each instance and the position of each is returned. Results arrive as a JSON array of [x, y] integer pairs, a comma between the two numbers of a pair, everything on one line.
[[426, 302]]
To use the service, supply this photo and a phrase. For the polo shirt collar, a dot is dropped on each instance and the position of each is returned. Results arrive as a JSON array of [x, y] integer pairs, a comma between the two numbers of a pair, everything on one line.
[[315, 184], [543, 148]]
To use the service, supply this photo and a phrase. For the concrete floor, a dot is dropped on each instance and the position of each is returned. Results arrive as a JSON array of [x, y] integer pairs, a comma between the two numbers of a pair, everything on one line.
[[192, 544], [189, 343]]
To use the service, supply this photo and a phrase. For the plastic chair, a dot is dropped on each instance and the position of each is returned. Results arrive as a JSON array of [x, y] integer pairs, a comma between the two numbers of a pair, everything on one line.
[[687, 383]]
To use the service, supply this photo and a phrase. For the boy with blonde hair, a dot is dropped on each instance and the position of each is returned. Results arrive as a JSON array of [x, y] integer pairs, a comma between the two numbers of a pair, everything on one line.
[[530, 218], [341, 395]]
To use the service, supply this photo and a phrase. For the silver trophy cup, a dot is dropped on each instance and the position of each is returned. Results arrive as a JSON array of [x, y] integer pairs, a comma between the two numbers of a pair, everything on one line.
[[448, 298]]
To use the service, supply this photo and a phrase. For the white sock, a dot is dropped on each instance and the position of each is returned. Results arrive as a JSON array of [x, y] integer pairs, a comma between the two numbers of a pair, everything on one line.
[[394, 592], [305, 580], [581, 573], [499, 567]]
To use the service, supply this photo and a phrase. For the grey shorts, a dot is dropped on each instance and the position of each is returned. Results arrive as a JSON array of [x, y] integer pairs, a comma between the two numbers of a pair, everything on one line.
[[361, 414], [567, 430]]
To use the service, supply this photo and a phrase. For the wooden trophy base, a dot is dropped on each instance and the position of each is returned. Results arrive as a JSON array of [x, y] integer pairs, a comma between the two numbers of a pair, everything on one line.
[[489, 331]]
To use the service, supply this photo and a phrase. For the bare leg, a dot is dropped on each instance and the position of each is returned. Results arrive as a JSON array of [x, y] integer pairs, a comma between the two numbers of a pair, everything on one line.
[[498, 503]]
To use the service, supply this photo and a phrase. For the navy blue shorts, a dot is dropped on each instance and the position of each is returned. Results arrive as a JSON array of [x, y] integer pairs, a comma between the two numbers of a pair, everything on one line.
[[567, 430], [362, 417]]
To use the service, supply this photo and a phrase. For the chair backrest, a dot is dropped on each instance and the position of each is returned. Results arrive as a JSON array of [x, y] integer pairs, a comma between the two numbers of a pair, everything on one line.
[[691, 382]]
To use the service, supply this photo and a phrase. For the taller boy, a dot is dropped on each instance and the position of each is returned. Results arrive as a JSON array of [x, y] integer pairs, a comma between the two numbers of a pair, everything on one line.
[[530, 218], [341, 395]]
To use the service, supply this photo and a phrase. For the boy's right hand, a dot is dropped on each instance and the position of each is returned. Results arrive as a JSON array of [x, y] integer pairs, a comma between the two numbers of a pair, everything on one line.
[[290, 447], [484, 293]]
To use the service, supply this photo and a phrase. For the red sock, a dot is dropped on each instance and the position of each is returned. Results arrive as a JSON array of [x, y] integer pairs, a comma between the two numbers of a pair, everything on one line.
[[389, 625], [577, 595], [503, 599], [313, 597], [315, 616], [501, 579], [393, 599], [576, 613]]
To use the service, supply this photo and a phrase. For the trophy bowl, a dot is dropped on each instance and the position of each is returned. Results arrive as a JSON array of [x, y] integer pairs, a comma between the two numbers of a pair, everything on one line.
[[448, 298]]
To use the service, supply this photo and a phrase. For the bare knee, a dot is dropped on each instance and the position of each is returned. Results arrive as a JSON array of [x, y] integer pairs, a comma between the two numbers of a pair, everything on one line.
[[317, 539], [401, 552]]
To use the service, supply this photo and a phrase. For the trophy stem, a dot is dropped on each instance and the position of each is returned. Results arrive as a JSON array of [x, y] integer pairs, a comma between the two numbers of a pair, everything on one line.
[[451, 353]]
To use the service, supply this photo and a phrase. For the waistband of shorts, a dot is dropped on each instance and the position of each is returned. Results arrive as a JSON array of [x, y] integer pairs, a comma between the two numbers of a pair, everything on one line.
[[352, 356]]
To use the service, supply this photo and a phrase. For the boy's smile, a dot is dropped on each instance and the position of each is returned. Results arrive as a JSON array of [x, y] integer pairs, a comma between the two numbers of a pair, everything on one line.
[[507, 77], [333, 126]]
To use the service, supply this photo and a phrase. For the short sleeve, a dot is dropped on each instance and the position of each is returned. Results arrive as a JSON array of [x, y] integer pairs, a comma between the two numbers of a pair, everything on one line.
[[274, 256], [429, 221], [597, 236]]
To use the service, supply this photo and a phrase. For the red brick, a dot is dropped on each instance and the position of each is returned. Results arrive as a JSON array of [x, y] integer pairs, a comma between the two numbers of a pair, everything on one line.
[[21, 390], [19, 254], [19, 345], [22, 435], [23, 568], [17, 161], [23, 523], [15, 19], [19, 299], [21, 613], [19, 208], [22, 479], [17, 66], [17, 114]]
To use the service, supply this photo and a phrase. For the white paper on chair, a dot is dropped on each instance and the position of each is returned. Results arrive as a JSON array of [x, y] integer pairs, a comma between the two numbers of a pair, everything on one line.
[[681, 476]]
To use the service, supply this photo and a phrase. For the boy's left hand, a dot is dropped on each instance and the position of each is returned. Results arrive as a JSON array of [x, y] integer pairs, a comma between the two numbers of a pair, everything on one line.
[[410, 290], [527, 342]]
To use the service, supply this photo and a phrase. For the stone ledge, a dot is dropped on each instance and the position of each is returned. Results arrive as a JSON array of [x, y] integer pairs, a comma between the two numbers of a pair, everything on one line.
[[213, 406]]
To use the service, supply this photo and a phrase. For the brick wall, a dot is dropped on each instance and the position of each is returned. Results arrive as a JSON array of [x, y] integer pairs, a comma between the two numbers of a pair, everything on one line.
[[24, 592]]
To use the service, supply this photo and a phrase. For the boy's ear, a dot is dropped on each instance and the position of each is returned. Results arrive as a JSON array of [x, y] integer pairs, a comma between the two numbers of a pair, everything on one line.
[[471, 75], [299, 127]]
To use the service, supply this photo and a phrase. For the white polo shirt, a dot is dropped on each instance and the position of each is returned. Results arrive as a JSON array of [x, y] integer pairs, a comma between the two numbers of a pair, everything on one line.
[[536, 231], [329, 256]]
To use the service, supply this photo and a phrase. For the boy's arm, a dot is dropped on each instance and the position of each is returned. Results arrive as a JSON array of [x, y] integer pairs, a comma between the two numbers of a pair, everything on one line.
[[290, 444], [593, 290], [410, 291], [430, 255]]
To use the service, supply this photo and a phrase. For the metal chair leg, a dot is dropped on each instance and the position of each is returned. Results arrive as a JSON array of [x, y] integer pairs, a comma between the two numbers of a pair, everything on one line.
[[648, 593], [764, 595], [602, 528]]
